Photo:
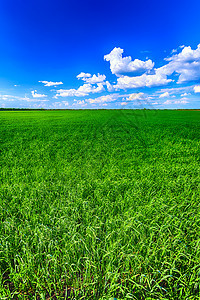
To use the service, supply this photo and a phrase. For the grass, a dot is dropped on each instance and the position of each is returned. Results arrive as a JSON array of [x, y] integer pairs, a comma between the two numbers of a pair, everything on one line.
[[100, 204]]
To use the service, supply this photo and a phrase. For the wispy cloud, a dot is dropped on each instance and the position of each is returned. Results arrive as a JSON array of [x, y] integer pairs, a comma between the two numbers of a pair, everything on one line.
[[183, 101], [51, 83], [102, 99], [11, 98], [135, 96], [164, 95], [61, 104], [176, 90]]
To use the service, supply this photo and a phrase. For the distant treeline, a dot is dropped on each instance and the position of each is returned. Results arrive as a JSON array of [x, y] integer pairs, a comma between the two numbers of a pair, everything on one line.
[[44, 109], [2, 108]]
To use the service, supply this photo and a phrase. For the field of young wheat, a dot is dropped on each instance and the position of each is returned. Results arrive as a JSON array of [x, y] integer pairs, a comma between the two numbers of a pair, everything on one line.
[[100, 204]]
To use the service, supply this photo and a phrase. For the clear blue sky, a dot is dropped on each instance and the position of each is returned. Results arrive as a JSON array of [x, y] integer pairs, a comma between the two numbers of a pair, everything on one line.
[[126, 54]]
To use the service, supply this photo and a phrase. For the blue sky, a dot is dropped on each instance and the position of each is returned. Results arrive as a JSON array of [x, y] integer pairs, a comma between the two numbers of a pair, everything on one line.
[[99, 54]]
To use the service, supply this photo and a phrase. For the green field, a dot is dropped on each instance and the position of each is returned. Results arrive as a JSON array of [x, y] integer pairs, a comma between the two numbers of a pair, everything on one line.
[[100, 204]]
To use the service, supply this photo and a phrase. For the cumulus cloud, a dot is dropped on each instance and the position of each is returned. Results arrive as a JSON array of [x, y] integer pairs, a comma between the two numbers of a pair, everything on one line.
[[166, 94], [83, 75], [80, 102], [36, 95], [51, 83], [136, 96], [185, 94], [92, 79], [122, 65], [145, 80], [197, 88], [186, 64], [82, 91]]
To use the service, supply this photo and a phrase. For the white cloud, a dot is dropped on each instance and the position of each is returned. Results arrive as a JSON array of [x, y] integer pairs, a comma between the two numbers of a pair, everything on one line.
[[181, 101], [92, 79], [82, 91], [123, 103], [109, 86], [95, 79], [51, 83], [167, 102], [34, 100], [102, 99], [185, 94], [66, 103], [176, 90], [57, 104], [122, 65], [11, 98], [166, 94], [8, 97], [186, 64], [83, 75], [197, 88], [136, 96], [36, 95], [61, 104], [173, 51], [126, 82], [80, 102]]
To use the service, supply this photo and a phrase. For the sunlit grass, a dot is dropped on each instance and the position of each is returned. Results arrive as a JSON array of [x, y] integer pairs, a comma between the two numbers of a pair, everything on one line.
[[100, 205]]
